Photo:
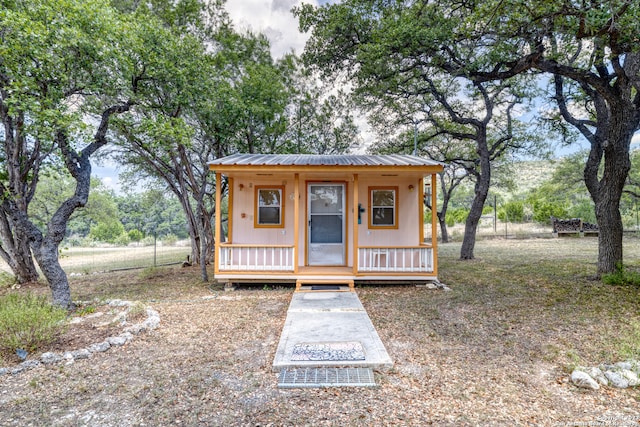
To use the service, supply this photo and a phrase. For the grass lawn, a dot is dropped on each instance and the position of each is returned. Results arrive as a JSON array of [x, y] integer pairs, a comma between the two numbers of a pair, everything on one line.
[[496, 350]]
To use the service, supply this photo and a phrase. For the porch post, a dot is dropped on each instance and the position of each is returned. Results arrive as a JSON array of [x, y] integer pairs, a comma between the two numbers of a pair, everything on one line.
[[355, 223], [296, 221], [229, 211], [421, 211], [434, 223], [216, 247]]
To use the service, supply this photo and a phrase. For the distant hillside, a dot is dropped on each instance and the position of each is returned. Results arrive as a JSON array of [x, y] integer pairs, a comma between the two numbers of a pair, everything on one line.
[[530, 174]]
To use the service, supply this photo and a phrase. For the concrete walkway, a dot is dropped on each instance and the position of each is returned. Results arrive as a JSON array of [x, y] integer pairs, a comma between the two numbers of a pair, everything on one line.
[[321, 325]]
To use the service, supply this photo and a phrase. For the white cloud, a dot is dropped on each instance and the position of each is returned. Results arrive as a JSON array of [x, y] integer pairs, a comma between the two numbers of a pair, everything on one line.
[[108, 174], [274, 19], [635, 140]]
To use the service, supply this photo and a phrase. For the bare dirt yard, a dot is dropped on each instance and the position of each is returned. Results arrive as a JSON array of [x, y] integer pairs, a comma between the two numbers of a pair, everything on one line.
[[494, 351]]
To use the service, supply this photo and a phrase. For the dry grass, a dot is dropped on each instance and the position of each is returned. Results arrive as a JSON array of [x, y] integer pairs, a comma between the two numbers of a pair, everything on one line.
[[494, 351], [81, 260]]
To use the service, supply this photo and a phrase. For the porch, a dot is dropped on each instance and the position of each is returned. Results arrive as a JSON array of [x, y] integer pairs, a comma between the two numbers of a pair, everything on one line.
[[277, 261], [280, 258], [342, 218]]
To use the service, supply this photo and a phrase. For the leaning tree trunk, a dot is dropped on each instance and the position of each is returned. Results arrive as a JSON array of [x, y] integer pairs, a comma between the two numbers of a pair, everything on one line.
[[192, 224], [15, 251], [483, 180], [47, 256], [203, 243], [45, 248], [443, 227], [473, 219], [442, 214]]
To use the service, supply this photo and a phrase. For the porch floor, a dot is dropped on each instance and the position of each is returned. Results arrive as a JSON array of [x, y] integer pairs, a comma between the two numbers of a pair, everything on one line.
[[310, 273], [329, 329]]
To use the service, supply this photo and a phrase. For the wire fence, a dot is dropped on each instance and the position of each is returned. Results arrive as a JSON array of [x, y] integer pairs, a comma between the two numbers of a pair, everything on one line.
[[87, 260]]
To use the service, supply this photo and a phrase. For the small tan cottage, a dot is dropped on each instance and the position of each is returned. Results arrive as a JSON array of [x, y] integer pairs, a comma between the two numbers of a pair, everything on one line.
[[326, 219]]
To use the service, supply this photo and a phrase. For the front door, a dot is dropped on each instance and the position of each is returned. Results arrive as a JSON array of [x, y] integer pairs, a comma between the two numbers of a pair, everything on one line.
[[326, 222]]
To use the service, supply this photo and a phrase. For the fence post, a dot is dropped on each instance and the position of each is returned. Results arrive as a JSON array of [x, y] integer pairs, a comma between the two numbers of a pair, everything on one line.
[[495, 214], [155, 248]]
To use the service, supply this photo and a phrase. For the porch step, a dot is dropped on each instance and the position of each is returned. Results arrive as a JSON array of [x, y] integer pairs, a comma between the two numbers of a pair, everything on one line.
[[324, 285], [326, 377]]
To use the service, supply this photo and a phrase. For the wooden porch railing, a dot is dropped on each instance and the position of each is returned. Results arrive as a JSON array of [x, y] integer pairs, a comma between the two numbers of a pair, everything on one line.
[[404, 259], [238, 257]]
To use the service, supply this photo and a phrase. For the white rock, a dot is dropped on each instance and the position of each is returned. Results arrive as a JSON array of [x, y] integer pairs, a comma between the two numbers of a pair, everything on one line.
[[616, 379], [83, 353], [17, 370], [631, 377], [583, 380], [151, 322], [624, 365], [99, 347], [120, 318], [50, 358], [596, 374], [119, 303], [68, 356], [30, 364], [135, 329], [94, 315], [116, 341]]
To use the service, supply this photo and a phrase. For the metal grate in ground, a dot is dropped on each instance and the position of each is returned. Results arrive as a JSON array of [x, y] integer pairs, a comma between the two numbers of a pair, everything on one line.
[[326, 377]]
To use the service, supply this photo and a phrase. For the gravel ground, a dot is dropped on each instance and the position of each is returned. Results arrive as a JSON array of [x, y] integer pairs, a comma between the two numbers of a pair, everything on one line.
[[492, 356]]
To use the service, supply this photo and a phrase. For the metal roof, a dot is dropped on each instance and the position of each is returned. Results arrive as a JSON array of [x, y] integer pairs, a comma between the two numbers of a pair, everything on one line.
[[323, 160]]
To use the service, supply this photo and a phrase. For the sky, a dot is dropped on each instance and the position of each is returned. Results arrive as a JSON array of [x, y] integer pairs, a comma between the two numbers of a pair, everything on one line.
[[275, 20], [271, 17]]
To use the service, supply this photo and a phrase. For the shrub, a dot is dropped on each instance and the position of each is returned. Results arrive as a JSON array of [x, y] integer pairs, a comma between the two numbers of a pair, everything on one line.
[[135, 235], [28, 322], [543, 211], [122, 240], [6, 280], [170, 240], [148, 241], [456, 215], [622, 277], [487, 209], [74, 240], [512, 212], [107, 231]]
